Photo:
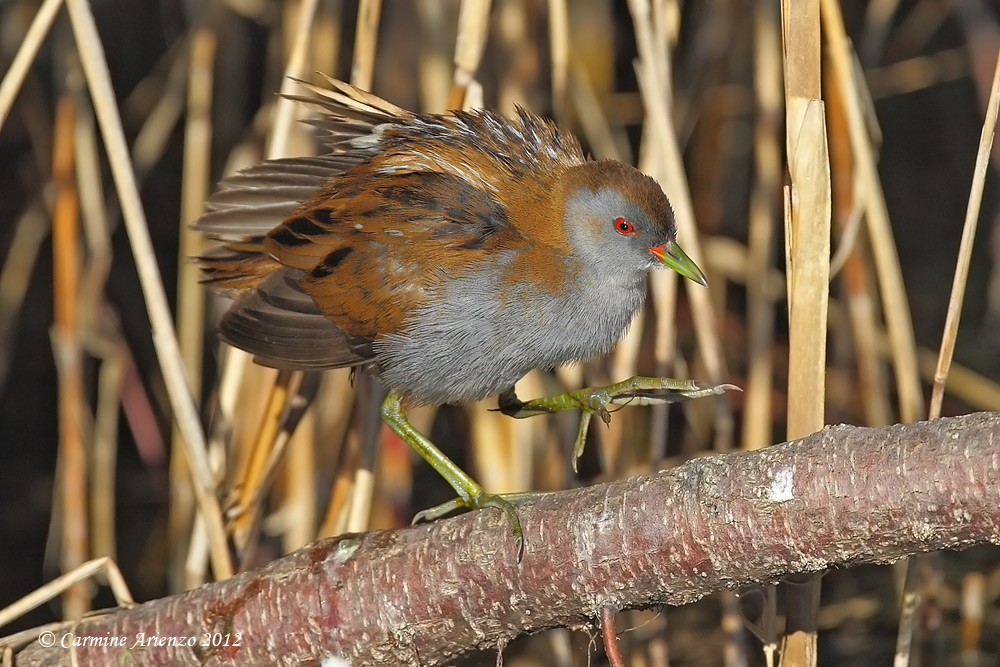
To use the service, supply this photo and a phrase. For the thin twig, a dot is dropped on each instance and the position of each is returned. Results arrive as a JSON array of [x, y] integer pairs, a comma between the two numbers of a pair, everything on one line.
[[610, 636]]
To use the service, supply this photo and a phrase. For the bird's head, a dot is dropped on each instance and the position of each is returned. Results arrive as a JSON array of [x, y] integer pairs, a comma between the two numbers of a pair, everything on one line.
[[619, 219]]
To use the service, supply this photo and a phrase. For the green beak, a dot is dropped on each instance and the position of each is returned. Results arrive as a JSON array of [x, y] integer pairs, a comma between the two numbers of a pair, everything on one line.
[[673, 256]]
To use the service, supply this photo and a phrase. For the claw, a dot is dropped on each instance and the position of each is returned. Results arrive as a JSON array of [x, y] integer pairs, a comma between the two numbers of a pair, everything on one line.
[[478, 502]]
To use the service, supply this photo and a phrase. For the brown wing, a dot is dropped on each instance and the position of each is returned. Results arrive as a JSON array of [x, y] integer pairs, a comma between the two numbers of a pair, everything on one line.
[[379, 246]]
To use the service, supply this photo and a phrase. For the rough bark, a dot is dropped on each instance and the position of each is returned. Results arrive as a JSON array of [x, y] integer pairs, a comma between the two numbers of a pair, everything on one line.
[[426, 594]]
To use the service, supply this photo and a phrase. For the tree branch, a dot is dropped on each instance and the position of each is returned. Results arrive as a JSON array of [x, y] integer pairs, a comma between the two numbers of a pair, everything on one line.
[[429, 593]]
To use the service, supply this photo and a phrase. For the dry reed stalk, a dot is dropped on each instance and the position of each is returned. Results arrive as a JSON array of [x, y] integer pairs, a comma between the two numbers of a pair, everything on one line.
[[595, 125], [299, 473], [624, 363], [878, 19], [368, 396], [335, 519], [730, 259], [559, 49], [503, 462], [72, 468], [365, 40], [908, 613], [654, 161], [325, 32], [918, 73], [473, 25], [435, 60], [807, 248], [283, 122], [93, 211]]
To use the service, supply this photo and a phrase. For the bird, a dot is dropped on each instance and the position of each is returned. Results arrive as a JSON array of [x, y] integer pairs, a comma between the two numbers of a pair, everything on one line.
[[448, 254]]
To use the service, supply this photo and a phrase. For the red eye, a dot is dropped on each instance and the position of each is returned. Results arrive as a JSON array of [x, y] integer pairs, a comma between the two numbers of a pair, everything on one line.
[[624, 226]]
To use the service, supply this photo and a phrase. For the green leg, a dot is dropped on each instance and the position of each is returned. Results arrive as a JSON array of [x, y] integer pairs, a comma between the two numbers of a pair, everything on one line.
[[595, 400], [471, 495]]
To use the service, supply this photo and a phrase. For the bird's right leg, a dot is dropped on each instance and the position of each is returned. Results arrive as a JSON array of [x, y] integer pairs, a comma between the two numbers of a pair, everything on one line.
[[595, 400]]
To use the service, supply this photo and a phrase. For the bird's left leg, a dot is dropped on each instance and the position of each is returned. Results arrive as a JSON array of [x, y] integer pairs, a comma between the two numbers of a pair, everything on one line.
[[471, 494], [595, 400]]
